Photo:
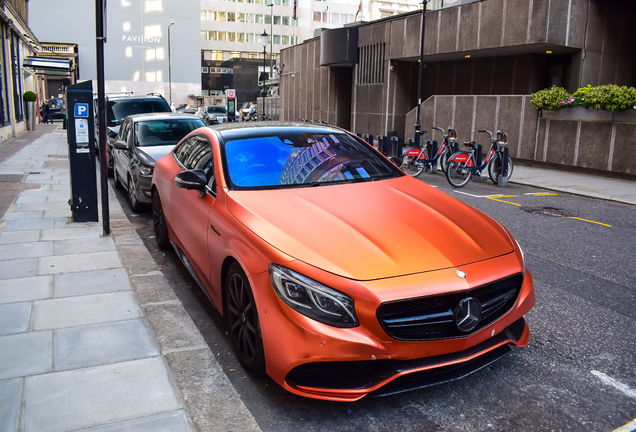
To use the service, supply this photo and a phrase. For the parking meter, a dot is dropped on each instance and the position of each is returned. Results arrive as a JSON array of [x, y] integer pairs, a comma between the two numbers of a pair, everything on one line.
[[230, 101], [81, 152]]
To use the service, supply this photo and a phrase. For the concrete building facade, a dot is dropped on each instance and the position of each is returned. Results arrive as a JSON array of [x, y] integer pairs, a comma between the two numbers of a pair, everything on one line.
[[477, 53]]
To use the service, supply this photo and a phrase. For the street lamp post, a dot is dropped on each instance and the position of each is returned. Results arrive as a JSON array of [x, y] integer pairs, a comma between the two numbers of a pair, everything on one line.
[[264, 42], [169, 65], [418, 126]]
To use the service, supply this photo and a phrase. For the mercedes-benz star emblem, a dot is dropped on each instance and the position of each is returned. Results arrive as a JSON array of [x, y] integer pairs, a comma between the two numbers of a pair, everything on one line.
[[467, 314], [460, 274]]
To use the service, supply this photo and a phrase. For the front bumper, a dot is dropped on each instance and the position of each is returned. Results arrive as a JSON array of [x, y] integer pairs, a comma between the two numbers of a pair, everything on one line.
[[143, 189], [319, 361]]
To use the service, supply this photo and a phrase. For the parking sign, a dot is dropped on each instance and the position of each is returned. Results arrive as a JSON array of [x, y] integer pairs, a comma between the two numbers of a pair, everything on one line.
[[81, 110]]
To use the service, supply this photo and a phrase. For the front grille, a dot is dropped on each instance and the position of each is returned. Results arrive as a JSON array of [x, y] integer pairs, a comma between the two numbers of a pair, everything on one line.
[[432, 317]]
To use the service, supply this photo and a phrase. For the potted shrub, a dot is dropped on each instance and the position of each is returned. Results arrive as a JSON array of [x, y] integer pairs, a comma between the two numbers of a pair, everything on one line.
[[30, 100]]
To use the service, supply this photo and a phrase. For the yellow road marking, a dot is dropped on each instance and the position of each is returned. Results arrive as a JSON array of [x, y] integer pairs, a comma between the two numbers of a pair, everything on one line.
[[507, 202], [585, 220]]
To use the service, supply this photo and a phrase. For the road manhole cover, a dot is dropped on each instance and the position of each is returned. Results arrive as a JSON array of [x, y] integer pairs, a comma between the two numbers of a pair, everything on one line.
[[547, 211]]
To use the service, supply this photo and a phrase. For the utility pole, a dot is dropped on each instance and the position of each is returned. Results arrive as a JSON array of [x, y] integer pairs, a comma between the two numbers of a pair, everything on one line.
[[418, 126], [100, 37]]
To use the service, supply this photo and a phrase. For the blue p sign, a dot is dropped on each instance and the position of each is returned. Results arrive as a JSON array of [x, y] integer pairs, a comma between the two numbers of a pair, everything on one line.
[[81, 110]]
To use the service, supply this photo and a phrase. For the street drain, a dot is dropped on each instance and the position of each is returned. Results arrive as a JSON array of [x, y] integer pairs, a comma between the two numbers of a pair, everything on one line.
[[547, 211]]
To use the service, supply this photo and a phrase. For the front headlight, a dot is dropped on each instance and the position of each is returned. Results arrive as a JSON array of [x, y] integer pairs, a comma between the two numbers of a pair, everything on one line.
[[145, 170], [313, 299], [523, 256]]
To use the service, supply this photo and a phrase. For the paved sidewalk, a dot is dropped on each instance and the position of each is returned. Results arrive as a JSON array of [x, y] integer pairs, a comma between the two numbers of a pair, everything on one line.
[[610, 189], [91, 335]]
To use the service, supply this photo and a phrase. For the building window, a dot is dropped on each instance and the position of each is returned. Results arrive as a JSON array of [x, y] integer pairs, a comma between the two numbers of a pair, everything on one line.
[[253, 55], [231, 37], [240, 18], [277, 2], [240, 37], [204, 69], [235, 54], [286, 21], [249, 18], [212, 35], [205, 93], [286, 2], [217, 55], [285, 40], [259, 18], [268, 19], [317, 16], [222, 16], [204, 15], [277, 20], [335, 18], [204, 35], [277, 39], [221, 37], [231, 16]]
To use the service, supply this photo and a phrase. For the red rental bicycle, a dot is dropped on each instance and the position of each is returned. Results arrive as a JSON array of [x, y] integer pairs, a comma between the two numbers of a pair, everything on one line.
[[462, 165], [415, 160]]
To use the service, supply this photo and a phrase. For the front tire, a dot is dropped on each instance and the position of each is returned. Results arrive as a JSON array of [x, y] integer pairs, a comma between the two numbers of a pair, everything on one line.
[[118, 183], [443, 160], [159, 222], [494, 168], [412, 165], [135, 205], [242, 318], [459, 170]]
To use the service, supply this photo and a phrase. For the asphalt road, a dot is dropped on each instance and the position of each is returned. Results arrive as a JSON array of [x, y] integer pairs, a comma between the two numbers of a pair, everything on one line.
[[577, 373]]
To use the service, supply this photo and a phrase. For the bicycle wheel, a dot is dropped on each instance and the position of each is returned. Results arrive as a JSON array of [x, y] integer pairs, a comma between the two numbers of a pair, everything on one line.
[[457, 174], [412, 165], [443, 159], [494, 168]]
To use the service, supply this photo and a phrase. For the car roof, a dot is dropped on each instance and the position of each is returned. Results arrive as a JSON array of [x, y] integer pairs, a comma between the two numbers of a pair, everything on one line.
[[238, 130], [161, 116]]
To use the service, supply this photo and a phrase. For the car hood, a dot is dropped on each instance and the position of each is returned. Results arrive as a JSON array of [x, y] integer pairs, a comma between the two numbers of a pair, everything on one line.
[[151, 154], [371, 230]]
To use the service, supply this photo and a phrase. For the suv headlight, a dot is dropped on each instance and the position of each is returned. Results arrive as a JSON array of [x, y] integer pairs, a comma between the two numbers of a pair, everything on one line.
[[145, 170], [313, 299]]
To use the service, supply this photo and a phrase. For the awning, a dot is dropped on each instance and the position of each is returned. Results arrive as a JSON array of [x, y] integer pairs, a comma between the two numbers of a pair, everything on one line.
[[48, 64]]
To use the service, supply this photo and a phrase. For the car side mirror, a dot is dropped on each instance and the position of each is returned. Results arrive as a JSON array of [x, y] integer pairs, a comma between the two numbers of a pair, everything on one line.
[[192, 179], [120, 145]]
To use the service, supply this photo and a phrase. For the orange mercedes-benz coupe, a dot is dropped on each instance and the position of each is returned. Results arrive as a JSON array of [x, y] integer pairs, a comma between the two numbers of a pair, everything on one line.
[[339, 276]]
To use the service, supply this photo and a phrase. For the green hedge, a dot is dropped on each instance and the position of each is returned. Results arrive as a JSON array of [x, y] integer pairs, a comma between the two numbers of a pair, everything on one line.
[[606, 97], [29, 96]]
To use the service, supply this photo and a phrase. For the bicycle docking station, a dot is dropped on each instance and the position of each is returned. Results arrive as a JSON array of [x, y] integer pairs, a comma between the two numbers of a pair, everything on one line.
[[502, 179], [431, 151]]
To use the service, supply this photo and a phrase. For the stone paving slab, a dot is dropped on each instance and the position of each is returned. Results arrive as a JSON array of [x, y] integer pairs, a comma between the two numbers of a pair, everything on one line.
[[70, 233], [37, 347], [172, 329], [100, 344], [29, 224], [25, 250], [18, 268], [35, 206], [81, 246], [174, 421], [31, 199], [35, 214], [78, 263], [84, 310], [57, 213], [26, 289], [14, 318], [10, 397], [82, 398], [93, 282], [19, 237]]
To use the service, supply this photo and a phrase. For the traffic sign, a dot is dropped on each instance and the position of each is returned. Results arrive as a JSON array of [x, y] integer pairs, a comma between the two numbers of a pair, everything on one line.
[[81, 110], [231, 93]]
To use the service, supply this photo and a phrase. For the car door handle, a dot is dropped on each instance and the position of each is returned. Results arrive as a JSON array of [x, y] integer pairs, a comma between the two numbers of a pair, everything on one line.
[[214, 229]]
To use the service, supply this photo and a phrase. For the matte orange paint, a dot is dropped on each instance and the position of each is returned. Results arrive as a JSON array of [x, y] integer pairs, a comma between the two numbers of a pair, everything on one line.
[[375, 242]]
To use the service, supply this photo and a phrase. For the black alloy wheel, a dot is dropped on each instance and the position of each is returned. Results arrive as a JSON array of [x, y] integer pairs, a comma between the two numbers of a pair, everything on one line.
[[159, 222], [135, 205], [242, 318]]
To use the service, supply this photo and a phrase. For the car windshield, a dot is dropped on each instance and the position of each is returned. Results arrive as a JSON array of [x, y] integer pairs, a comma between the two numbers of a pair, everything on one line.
[[151, 133], [303, 159], [216, 110], [118, 110]]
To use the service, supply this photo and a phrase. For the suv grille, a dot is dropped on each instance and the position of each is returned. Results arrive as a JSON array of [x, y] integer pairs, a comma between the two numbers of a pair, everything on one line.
[[432, 317]]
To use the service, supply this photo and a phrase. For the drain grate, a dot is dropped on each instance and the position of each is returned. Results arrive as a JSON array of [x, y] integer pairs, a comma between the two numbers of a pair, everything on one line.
[[547, 211]]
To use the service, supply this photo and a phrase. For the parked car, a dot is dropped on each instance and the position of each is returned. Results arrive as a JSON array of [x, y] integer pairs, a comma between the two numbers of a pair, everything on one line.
[[118, 107], [214, 114], [245, 109], [55, 107], [143, 139], [338, 275]]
